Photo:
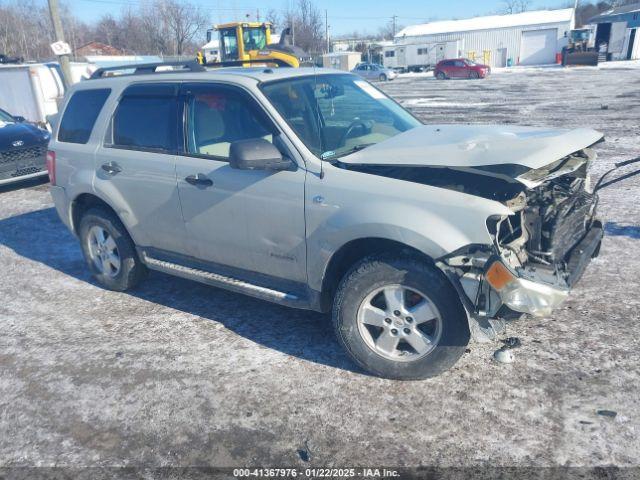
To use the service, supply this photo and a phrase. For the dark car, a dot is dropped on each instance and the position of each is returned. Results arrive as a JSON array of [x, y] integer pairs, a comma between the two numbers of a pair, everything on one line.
[[460, 68], [23, 149]]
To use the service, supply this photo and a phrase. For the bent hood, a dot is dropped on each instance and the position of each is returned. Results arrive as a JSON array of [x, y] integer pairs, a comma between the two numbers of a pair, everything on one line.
[[476, 146]]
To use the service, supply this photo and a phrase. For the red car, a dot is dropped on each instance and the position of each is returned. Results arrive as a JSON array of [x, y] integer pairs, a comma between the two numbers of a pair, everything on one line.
[[460, 68]]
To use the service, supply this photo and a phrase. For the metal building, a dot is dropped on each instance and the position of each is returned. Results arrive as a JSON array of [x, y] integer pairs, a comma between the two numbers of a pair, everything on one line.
[[618, 33], [529, 38]]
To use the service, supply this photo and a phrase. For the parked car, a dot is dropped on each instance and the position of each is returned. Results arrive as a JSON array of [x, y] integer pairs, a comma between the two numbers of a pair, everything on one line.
[[373, 72], [23, 149], [313, 189], [461, 68]]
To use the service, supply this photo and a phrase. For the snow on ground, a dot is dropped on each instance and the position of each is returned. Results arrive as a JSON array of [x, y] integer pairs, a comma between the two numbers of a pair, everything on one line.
[[176, 373]]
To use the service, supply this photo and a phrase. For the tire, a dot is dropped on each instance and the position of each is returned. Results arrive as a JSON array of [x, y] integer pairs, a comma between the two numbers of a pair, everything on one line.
[[130, 270], [474, 75], [383, 78], [385, 272], [441, 76]]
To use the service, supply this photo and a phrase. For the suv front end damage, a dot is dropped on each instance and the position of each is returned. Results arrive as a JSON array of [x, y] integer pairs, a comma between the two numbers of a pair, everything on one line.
[[540, 252]]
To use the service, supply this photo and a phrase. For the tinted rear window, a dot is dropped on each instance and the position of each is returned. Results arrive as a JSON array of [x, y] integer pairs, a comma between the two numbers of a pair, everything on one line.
[[81, 114], [146, 122]]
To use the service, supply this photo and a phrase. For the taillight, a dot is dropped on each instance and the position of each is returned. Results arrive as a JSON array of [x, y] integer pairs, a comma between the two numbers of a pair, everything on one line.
[[51, 166]]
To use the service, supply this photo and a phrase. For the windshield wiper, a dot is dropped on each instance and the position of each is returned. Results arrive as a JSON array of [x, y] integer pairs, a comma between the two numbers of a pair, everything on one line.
[[354, 149]]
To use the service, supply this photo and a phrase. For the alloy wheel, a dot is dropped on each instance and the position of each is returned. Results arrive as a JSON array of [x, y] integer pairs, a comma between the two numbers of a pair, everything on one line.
[[399, 323], [103, 251]]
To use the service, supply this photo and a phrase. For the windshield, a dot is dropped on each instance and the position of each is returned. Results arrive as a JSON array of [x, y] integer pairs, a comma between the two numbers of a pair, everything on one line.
[[5, 117], [254, 38], [335, 115], [471, 63]]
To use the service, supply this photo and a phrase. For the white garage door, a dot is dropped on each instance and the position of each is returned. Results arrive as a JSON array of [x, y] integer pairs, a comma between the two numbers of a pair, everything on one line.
[[539, 47]]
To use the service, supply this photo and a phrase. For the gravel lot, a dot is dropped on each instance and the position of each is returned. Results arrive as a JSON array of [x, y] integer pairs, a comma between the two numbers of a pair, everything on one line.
[[180, 374]]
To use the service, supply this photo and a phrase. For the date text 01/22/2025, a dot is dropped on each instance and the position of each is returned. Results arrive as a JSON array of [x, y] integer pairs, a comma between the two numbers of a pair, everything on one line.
[[315, 473]]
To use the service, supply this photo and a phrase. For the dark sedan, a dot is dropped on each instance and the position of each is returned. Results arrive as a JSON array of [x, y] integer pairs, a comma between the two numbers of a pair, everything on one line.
[[23, 149]]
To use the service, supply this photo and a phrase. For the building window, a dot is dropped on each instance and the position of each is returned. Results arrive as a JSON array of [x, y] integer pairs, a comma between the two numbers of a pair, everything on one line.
[[422, 51], [389, 54]]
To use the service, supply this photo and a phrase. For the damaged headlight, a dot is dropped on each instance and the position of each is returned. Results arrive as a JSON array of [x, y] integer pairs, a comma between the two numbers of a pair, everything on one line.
[[522, 295]]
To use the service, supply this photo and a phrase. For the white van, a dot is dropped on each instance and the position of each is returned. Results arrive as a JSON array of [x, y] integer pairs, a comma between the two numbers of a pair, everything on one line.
[[32, 91]]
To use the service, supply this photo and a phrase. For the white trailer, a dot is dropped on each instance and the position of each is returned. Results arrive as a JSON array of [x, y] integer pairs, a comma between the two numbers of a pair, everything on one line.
[[32, 91], [417, 57]]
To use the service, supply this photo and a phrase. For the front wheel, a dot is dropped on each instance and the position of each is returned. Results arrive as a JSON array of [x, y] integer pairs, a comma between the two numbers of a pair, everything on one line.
[[474, 75], [399, 318], [383, 78]]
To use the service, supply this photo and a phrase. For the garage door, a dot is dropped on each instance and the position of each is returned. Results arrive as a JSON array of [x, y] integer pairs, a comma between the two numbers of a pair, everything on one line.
[[539, 47]]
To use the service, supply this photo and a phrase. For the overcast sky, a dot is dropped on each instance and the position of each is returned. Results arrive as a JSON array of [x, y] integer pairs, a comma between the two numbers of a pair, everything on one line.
[[345, 16]]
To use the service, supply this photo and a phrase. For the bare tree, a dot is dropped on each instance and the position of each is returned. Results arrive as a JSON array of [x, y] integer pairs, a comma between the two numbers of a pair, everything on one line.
[[515, 6], [183, 22]]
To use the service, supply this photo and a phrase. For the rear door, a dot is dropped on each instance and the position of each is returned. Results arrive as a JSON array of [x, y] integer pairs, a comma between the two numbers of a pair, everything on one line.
[[247, 220], [135, 169]]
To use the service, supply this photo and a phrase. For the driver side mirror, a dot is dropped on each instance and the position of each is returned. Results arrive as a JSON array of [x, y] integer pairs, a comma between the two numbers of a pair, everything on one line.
[[19, 119], [257, 154]]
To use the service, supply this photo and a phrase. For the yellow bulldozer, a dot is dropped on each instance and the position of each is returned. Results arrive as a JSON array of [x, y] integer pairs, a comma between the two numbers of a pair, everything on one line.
[[249, 43]]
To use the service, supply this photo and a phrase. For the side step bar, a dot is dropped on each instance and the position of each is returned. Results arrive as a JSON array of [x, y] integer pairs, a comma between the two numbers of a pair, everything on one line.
[[227, 283]]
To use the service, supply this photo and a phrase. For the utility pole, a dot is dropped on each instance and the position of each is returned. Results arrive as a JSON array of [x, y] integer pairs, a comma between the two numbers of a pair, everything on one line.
[[54, 10], [395, 24], [257, 14], [326, 30]]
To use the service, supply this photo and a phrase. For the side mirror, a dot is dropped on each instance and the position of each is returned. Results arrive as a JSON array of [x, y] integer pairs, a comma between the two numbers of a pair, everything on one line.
[[257, 154], [19, 119]]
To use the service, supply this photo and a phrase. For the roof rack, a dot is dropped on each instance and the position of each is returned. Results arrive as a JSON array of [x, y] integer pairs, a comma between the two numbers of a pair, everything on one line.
[[145, 68], [242, 63]]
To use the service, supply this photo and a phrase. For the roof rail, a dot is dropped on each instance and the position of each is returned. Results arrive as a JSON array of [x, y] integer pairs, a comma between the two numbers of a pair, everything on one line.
[[145, 68]]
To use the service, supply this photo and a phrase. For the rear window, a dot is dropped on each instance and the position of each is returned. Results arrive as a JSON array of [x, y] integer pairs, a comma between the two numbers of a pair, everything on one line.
[[146, 119], [81, 114]]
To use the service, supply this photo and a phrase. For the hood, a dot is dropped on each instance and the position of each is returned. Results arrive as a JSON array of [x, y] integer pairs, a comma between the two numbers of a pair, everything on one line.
[[493, 162], [26, 133], [483, 147]]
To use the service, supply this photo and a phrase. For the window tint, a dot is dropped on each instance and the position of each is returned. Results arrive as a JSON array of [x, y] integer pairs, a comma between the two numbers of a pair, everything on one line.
[[389, 54], [81, 114], [219, 116], [146, 121]]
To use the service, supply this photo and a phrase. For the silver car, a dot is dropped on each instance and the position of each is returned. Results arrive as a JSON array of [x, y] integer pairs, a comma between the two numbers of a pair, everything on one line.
[[374, 72], [313, 189]]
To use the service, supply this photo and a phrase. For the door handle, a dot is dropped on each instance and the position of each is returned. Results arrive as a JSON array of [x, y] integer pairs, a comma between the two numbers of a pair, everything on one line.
[[199, 180], [111, 168]]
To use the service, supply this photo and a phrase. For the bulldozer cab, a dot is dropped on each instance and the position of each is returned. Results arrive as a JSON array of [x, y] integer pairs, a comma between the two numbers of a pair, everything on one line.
[[238, 39]]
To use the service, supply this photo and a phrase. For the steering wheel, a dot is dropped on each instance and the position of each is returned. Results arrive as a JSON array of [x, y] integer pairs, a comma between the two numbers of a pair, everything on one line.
[[357, 123]]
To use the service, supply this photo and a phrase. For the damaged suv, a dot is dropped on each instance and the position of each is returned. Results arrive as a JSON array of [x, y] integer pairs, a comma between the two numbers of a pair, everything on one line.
[[313, 189]]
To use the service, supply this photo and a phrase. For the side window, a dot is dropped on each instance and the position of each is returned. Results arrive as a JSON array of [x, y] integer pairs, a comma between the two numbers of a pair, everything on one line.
[[81, 114], [459, 64], [146, 119], [219, 116]]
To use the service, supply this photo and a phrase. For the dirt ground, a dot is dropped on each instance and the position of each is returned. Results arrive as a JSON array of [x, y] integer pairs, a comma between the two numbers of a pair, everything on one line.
[[180, 374]]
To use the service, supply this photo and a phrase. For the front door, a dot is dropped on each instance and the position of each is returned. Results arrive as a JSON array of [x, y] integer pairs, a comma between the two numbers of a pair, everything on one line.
[[252, 221]]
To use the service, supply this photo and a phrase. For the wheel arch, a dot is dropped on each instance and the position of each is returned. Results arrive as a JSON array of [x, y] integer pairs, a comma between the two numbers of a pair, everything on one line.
[[85, 201], [354, 251]]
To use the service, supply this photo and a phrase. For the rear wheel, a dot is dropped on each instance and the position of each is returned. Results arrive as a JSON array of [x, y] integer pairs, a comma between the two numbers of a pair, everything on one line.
[[399, 318], [441, 76], [109, 251]]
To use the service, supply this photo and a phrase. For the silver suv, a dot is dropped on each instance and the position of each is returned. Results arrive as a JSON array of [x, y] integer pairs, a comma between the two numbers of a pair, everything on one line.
[[313, 189]]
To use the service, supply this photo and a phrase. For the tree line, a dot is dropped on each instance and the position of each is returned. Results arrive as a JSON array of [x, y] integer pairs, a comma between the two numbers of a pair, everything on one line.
[[155, 27]]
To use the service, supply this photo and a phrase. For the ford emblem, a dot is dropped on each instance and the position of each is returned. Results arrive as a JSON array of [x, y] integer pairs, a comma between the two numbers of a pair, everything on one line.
[[17, 143]]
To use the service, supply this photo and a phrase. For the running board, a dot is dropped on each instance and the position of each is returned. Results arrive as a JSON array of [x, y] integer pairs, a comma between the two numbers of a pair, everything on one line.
[[226, 283]]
